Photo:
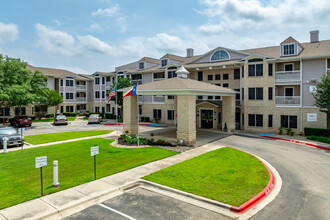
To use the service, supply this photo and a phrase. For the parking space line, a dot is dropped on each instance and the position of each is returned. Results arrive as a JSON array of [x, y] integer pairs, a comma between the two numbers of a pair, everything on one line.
[[118, 212]]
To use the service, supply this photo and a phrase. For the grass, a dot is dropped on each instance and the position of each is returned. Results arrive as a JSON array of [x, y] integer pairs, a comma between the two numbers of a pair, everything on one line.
[[319, 138], [53, 137], [52, 119], [225, 175], [20, 180]]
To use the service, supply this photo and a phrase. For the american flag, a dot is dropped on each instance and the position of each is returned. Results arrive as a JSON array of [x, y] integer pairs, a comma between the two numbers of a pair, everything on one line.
[[112, 93]]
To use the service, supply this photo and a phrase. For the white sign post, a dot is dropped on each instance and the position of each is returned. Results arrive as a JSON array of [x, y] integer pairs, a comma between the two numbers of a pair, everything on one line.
[[40, 162], [94, 151]]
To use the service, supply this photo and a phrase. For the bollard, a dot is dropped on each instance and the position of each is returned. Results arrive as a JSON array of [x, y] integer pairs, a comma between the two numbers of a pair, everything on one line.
[[4, 144], [55, 174]]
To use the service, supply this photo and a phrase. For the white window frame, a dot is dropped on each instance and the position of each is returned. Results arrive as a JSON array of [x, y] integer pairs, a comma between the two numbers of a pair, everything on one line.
[[222, 59], [144, 65], [289, 88], [294, 49], [287, 64], [161, 62]]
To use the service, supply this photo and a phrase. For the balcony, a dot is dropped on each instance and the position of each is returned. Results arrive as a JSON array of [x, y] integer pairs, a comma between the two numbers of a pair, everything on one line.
[[287, 76], [81, 99], [293, 101], [81, 87], [158, 99]]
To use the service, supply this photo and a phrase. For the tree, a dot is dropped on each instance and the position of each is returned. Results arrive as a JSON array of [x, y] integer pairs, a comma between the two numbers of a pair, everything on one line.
[[322, 94], [53, 99], [122, 83], [18, 85]]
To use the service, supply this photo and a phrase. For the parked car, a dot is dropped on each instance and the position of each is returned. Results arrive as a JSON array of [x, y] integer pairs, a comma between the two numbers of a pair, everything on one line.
[[20, 120], [60, 120], [94, 118], [13, 135]]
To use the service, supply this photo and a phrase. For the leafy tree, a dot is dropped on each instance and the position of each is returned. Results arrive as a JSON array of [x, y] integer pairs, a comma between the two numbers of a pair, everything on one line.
[[18, 85], [322, 94], [53, 98], [122, 83]]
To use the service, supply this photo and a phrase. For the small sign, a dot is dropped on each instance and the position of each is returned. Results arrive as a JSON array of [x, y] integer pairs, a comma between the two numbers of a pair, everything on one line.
[[58, 112], [312, 89], [94, 150], [41, 161], [311, 117]]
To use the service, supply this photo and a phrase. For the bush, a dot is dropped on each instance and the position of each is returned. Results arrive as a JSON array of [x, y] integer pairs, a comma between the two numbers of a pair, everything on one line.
[[81, 114], [291, 133], [280, 130], [288, 131], [87, 114], [109, 116], [145, 119], [120, 120], [134, 140], [33, 117], [318, 138], [49, 115], [70, 114], [317, 132]]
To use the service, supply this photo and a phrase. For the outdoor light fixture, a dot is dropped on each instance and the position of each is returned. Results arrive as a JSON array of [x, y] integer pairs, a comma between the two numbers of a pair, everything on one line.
[[180, 142]]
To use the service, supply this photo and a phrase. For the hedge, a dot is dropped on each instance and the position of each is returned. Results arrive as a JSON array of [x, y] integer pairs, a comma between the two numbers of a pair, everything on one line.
[[145, 119], [71, 114], [317, 132]]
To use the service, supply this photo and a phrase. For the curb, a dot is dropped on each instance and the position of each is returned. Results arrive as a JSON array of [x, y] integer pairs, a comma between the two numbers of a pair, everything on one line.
[[297, 142], [260, 196]]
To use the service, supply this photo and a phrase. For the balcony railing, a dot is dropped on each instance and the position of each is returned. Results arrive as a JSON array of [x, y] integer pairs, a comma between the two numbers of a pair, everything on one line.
[[287, 100], [81, 87], [81, 99], [287, 76], [158, 99]]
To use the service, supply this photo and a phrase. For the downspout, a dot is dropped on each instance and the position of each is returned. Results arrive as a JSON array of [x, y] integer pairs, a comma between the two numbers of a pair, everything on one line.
[[301, 98]]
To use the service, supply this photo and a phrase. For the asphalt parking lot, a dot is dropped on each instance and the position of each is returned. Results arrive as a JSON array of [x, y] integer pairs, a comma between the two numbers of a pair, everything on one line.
[[140, 203]]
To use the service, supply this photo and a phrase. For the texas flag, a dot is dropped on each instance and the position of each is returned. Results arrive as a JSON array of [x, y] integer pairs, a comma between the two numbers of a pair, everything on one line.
[[112, 93], [132, 91]]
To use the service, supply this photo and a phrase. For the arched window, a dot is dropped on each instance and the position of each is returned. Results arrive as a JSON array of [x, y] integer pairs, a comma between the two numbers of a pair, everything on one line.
[[220, 55]]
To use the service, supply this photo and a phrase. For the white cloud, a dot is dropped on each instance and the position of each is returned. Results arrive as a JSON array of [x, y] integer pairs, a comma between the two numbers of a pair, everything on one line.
[[73, 69], [54, 41], [111, 11], [95, 26], [166, 43], [8, 32], [94, 44]]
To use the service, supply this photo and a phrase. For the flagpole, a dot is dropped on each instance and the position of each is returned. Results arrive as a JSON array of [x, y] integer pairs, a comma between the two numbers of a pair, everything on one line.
[[116, 110], [138, 118]]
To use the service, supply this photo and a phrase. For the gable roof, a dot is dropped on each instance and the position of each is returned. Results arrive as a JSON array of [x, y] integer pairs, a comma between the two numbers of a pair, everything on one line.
[[289, 40]]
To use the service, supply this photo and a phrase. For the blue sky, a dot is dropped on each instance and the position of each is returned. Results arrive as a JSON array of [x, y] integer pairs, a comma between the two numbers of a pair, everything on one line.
[[87, 36]]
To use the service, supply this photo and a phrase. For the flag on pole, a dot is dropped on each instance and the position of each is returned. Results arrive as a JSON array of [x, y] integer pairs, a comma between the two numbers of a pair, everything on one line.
[[132, 91], [112, 93]]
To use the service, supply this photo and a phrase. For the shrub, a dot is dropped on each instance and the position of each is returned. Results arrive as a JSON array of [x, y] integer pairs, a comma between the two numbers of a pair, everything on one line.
[[280, 130], [70, 114], [288, 131], [49, 115], [33, 117], [152, 134], [317, 132], [120, 120], [318, 138], [145, 119], [81, 114], [109, 116], [291, 133]]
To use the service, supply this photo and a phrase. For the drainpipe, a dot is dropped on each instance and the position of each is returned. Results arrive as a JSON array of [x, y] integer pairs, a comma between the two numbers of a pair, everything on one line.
[[301, 98]]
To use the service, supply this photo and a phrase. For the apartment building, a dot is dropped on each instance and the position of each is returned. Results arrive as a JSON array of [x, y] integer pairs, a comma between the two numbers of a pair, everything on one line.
[[275, 86]]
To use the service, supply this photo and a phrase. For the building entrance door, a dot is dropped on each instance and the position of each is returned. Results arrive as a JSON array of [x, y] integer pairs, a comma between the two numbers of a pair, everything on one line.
[[207, 118]]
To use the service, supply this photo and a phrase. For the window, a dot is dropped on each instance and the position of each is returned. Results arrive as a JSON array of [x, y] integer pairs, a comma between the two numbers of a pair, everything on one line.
[[256, 70], [97, 109], [270, 93], [171, 74], [255, 93], [141, 65], [225, 76], [108, 79], [69, 108], [97, 94], [108, 108], [200, 76], [68, 95], [255, 60], [242, 119], [103, 94], [217, 97], [61, 82], [62, 94], [158, 76], [288, 67], [170, 97], [103, 80], [20, 111], [200, 97], [218, 84], [288, 49], [220, 55], [217, 76], [4, 111], [210, 97], [170, 115], [136, 76], [242, 71], [270, 121], [255, 120], [225, 85], [236, 74], [113, 110], [157, 113], [270, 69], [163, 63], [209, 77], [62, 109], [288, 121], [242, 93], [288, 91], [69, 82], [97, 81], [237, 94]]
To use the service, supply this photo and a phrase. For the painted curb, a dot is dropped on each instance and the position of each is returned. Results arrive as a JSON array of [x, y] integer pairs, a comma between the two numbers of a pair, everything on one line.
[[260, 196], [297, 142]]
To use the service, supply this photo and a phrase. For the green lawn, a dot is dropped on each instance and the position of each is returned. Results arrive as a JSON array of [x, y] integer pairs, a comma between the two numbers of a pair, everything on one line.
[[20, 180], [52, 119], [52, 137], [226, 175]]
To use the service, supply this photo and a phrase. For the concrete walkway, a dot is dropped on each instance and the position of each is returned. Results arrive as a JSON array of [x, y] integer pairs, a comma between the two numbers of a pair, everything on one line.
[[66, 202]]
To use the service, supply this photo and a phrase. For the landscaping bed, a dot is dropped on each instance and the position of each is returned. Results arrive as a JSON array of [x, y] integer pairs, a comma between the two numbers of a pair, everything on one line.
[[20, 180], [226, 175], [53, 137]]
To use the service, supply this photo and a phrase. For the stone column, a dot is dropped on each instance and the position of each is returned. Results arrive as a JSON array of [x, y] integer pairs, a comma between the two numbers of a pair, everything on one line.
[[228, 113], [186, 110], [130, 114]]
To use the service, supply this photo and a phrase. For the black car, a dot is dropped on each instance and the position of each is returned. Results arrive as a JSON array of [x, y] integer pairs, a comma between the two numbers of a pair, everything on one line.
[[13, 135]]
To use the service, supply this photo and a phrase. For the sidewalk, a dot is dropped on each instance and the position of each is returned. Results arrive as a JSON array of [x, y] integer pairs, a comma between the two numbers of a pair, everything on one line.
[[59, 205]]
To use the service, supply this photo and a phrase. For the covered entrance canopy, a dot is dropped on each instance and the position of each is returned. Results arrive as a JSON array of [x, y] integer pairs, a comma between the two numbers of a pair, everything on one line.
[[185, 91]]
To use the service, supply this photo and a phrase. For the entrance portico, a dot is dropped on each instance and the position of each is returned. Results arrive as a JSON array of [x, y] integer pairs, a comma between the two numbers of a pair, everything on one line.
[[185, 91]]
